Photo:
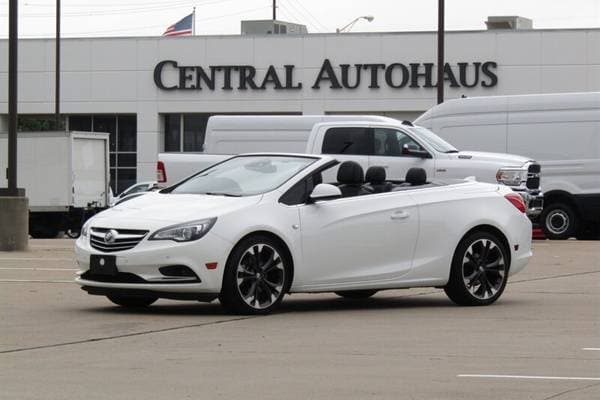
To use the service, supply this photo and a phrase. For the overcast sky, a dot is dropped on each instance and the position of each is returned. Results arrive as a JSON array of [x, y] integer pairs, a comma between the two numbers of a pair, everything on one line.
[[150, 18]]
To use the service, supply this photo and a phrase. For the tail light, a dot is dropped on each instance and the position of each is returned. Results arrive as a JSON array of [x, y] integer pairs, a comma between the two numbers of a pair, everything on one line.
[[161, 174], [517, 201]]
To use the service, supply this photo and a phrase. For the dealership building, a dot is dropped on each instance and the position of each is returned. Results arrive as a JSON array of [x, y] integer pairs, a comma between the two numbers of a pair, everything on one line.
[[155, 94]]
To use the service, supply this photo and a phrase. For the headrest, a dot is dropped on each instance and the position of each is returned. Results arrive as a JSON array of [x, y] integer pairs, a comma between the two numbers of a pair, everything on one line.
[[350, 172], [416, 176], [375, 175]]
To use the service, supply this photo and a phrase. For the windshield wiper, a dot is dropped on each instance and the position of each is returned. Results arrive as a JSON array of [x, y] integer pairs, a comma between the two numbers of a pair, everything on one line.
[[451, 151], [222, 194]]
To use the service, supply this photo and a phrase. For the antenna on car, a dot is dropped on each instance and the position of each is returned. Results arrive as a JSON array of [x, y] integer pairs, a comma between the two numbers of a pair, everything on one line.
[[405, 122]]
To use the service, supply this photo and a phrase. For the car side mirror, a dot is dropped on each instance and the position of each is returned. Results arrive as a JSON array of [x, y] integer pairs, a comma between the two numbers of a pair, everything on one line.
[[414, 150], [325, 191]]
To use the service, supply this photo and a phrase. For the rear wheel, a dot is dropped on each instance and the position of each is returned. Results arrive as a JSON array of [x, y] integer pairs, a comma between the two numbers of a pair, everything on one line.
[[559, 221], [257, 276], [479, 270], [132, 301], [356, 294]]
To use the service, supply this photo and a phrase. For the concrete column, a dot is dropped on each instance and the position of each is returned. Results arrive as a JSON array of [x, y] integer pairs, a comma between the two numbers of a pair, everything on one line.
[[14, 223], [148, 146]]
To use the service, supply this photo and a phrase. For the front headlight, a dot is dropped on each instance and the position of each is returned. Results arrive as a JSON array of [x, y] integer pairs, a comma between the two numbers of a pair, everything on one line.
[[511, 176], [85, 230], [184, 232]]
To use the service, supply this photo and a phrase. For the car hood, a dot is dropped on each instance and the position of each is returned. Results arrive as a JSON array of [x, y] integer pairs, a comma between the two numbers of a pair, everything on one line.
[[155, 210], [504, 160]]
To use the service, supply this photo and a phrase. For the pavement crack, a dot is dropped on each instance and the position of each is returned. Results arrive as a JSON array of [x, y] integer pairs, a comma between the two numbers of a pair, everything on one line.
[[557, 395], [125, 335]]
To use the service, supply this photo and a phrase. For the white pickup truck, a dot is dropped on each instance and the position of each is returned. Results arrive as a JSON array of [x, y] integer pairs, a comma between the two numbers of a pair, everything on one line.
[[370, 140]]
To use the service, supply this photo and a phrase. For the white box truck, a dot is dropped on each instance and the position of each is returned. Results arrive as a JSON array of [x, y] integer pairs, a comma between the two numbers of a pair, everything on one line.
[[65, 176], [561, 131]]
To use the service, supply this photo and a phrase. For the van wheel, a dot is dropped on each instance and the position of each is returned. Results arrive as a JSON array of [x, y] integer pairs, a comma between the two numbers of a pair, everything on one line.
[[559, 221], [479, 270], [256, 277]]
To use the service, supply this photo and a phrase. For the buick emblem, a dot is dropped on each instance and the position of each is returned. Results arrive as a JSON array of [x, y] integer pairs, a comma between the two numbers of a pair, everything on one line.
[[111, 236]]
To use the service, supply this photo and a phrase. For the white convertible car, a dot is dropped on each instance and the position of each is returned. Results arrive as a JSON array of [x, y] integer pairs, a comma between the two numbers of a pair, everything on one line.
[[258, 226]]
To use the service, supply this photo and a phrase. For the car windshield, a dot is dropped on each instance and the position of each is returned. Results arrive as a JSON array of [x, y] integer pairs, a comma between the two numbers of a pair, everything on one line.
[[245, 176], [434, 140]]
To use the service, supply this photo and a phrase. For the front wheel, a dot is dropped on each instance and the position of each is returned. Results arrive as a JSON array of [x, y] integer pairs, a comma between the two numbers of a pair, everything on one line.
[[559, 221], [479, 270], [132, 301], [256, 277], [356, 294]]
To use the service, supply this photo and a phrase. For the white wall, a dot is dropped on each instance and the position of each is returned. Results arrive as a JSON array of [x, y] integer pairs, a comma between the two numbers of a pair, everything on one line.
[[115, 75]]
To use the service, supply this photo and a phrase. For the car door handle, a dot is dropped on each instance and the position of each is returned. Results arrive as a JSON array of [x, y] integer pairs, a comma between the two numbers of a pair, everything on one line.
[[400, 215]]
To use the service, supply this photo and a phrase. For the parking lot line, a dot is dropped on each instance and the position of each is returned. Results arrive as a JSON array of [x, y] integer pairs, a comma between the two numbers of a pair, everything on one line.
[[36, 269], [591, 348], [554, 378]]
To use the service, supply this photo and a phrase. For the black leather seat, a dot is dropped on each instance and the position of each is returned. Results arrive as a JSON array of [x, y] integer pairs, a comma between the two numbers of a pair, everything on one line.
[[350, 177], [375, 178], [416, 176]]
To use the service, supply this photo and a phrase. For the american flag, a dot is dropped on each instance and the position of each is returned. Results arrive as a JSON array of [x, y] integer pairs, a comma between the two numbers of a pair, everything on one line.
[[182, 27]]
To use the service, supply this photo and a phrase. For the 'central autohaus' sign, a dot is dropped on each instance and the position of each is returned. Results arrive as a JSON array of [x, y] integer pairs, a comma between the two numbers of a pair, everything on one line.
[[345, 76]]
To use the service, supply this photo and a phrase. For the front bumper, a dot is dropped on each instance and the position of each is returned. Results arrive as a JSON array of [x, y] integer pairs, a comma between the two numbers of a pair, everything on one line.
[[138, 268], [534, 202]]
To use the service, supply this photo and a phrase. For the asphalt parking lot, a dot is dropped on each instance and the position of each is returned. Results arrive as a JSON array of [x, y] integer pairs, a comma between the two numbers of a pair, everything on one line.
[[540, 341]]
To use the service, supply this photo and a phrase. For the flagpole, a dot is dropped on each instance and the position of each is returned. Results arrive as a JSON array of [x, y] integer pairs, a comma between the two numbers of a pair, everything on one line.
[[194, 22]]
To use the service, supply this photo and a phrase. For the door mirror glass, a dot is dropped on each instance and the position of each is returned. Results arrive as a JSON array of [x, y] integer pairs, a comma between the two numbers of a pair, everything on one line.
[[414, 150], [325, 191]]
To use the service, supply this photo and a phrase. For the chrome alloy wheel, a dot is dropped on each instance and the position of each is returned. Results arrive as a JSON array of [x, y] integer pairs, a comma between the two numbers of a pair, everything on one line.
[[260, 276], [557, 221], [484, 269]]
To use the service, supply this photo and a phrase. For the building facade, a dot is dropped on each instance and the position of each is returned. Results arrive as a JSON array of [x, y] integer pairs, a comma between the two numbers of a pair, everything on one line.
[[155, 94]]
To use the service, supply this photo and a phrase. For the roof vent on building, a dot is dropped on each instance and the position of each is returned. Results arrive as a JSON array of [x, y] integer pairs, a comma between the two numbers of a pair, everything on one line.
[[272, 27], [508, 22]]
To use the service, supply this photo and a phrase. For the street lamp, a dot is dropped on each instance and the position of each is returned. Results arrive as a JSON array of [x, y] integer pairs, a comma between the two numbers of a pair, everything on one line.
[[348, 27]]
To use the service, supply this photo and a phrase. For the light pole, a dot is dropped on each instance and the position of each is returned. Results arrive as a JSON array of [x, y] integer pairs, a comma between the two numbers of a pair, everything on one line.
[[440, 58], [14, 206], [348, 27]]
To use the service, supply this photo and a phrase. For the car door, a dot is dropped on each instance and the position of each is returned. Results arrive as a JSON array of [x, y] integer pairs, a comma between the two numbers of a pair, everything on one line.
[[356, 241], [388, 152]]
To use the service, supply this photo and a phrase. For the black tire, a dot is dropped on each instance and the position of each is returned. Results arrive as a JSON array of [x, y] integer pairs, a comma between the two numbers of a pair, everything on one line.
[[264, 269], [356, 294], [73, 233], [129, 301], [559, 221], [474, 263]]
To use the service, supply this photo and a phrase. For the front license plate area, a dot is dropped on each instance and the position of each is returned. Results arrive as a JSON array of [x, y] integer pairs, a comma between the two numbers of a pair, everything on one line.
[[103, 265]]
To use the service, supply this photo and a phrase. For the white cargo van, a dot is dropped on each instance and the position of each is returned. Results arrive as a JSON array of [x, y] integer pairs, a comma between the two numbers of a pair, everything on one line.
[[65, 176], [561, 131]]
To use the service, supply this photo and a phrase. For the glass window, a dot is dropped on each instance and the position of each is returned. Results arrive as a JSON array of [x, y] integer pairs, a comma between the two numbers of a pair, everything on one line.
[[172, 132], [125, 178], [390, 142], [80, 123], [194, 128], [434, 140], [245, 176], [347, 141], [113, 181], [108, 124], [127, 135], [127, 159]]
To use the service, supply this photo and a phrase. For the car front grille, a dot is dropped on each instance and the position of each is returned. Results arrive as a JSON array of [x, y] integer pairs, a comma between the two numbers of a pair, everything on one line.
[[533, 176], [110, 240]]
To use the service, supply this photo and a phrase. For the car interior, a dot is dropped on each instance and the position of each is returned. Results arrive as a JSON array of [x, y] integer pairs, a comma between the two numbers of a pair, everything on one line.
[[353, 182]]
